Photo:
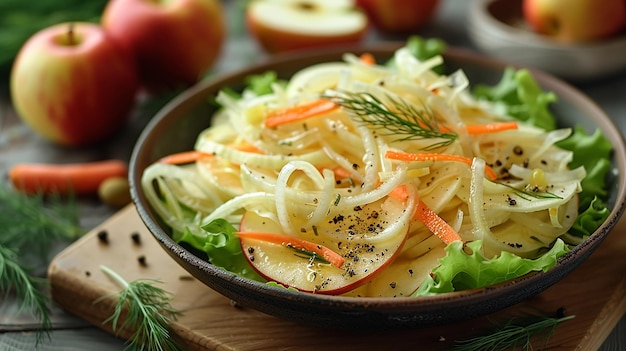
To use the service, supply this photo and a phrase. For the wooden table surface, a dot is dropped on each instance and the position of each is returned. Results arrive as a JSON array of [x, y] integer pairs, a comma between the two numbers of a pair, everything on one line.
[[18, 143]]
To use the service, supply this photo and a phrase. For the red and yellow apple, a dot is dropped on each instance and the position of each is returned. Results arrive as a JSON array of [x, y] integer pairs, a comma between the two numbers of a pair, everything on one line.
[[174, 42], [575, 20], [290, 25], [73, 84], [366, 252], [399, 16]]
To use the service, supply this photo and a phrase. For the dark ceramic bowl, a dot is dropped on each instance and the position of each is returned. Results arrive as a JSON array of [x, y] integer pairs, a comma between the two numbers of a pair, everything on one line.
[[177, 125]]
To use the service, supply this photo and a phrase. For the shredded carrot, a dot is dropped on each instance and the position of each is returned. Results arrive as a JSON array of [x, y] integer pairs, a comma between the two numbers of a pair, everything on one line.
[[437, 225], [248, 148], [490, 127], [422, 157], [289, 241], [184, 157], [367, 58], [400, 193], [296, 113], [341, 173]]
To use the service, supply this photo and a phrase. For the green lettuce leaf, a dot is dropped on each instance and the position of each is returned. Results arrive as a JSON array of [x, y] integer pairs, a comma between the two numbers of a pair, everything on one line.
[[222, 248], [424, 49], [518, 95], [460, 270], [593, 152], [590, 218]]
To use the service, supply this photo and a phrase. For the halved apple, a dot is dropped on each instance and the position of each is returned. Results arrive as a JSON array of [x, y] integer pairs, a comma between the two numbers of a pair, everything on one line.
[[368, 239], [287, 25]]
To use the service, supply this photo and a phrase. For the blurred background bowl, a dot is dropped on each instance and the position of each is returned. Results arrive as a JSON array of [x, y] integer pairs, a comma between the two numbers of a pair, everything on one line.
[[498, 28], [176, 127]]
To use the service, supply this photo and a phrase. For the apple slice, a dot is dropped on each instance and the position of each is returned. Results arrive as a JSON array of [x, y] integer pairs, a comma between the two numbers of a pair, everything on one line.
[[367, 238], [288, 25]]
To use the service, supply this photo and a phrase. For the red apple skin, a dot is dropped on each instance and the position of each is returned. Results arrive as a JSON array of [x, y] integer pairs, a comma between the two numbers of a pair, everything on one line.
[[573, 21], [399, 16], [73, 95], [174, 42]]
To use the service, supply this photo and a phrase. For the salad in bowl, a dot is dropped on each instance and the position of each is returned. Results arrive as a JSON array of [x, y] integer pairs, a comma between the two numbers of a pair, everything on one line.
[[383, 179]]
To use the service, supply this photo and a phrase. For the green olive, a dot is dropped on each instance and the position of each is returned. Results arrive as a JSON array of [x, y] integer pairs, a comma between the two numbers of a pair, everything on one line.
[[115, 191]]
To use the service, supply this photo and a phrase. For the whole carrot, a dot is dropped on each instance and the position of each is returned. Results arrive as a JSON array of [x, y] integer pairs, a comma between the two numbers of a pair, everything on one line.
[[63, 179]]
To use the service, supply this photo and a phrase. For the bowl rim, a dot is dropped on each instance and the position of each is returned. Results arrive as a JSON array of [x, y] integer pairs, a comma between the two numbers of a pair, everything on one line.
[[514, 288], [480, 15]]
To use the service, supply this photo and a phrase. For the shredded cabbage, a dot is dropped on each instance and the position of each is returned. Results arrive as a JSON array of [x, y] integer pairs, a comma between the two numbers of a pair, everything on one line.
[[307, 177]]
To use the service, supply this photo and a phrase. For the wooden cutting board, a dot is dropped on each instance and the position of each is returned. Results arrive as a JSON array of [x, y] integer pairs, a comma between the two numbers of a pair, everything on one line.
[[595, 292]]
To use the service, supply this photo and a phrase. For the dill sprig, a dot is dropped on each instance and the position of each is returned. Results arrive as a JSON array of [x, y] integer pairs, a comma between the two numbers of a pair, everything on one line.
[[26, 287], [148, 313], [30, 226], [401, 118], [526, 194], [34, 223], [512, 335]]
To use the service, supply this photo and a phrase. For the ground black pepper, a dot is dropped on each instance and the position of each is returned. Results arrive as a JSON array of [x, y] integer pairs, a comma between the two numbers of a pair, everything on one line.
[[136, 238], [103, 236]]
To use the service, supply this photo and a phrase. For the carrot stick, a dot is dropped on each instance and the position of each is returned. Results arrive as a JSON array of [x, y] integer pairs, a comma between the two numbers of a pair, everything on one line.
[[64, 179], [437, 225], [490, 127], [341, 173], [329, 255], [422, 157], [367, 58], [183, 157], [296, 113], [248, 148], [400, 193]]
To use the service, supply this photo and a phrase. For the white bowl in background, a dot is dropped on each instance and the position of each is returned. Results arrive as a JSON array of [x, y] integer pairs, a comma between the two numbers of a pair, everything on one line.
[[497, 27]]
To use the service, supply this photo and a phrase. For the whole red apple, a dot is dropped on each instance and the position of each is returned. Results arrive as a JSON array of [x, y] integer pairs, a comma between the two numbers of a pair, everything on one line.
[[281, 26], [575, 20], [174, 42], [73, 84], [399, 16]]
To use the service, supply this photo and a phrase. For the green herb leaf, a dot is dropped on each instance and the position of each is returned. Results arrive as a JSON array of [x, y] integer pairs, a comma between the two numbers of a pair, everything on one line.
[[33, 223], [26, 287], [398, 118], [513, 335], [148, 314]]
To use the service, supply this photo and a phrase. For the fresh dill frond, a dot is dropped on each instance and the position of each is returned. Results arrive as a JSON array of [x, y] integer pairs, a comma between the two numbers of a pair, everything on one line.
[[148, 313], [14, 277], [34, 223], [526, 194], [512, 335], [31, 225], [401, 118]]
